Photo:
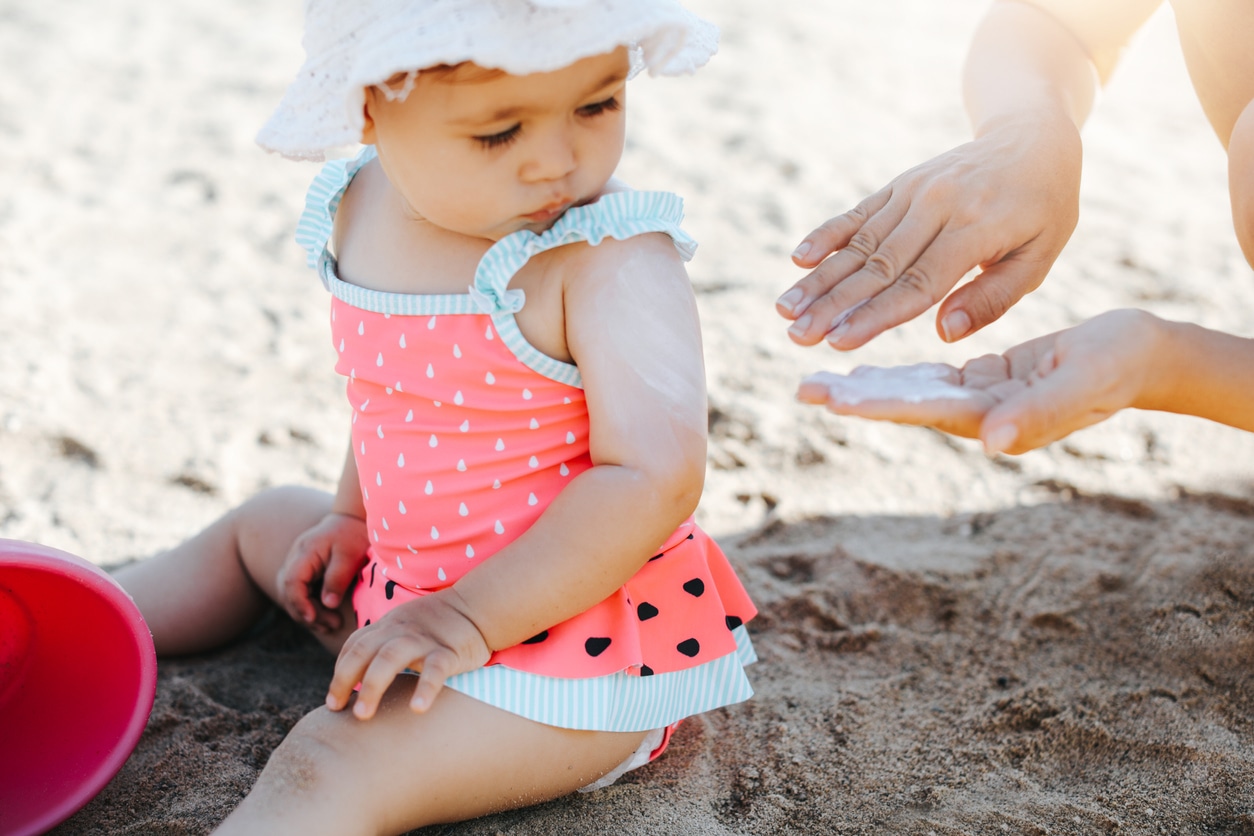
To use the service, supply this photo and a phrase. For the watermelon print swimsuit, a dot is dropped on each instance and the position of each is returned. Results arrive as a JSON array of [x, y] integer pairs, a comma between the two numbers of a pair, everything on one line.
[[463, 433]]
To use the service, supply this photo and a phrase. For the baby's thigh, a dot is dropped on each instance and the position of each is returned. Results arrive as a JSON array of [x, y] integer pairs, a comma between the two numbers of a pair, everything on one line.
[[460, 760]]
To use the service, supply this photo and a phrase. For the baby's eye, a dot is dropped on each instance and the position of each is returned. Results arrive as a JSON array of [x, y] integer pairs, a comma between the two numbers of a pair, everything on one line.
[[597, 108], [501, 139]]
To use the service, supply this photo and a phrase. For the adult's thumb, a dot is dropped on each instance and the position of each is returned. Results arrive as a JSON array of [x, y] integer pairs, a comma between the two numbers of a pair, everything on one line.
[[1048, 409], [985, 298]]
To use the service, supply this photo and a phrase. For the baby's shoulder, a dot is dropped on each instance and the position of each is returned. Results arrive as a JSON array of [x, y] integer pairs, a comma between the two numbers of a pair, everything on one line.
[[641, 258], [613, 250], [631, 235]]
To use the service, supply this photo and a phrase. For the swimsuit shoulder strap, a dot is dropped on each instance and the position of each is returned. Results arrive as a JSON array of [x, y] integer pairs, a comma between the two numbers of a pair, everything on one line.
[[322, 201], [618, 215]]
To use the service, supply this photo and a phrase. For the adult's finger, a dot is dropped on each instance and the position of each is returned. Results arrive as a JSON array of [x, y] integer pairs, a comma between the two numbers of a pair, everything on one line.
[[924, 395], [874, 258], [848, 258], [1053, 407], [916, 266], [834, 233], [994, 291]]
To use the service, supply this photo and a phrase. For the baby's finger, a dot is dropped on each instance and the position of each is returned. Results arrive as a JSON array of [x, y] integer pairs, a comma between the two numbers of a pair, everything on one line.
[[294, 581], [355, 656], [339, 575], [393, 657], [437, 667]]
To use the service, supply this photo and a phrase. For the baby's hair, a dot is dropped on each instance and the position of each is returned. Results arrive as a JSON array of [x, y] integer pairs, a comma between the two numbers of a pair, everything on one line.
[[398, 85]]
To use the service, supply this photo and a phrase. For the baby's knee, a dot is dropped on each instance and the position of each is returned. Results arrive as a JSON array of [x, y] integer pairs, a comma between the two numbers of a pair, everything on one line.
[[283, 501], [314, 761]]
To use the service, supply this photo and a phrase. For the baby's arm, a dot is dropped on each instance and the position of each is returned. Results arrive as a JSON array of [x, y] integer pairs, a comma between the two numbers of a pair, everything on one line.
[[322, 562], [632, 328]]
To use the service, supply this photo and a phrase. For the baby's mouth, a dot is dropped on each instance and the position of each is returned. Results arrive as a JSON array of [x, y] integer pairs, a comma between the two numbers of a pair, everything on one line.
[[549, 212]]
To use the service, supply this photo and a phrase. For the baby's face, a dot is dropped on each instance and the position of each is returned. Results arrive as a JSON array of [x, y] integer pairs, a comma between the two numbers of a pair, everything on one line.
[[485, 154]]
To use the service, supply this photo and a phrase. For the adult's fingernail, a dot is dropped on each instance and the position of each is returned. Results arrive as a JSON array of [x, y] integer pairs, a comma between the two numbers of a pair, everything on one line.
[[802, 249], [955, 325], [799, 327], [836, 333], [331, 600], [791, 299], [1000, 439]]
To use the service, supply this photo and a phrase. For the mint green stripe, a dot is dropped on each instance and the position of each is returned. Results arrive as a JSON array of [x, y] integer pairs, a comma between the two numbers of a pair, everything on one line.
[[617, 702]]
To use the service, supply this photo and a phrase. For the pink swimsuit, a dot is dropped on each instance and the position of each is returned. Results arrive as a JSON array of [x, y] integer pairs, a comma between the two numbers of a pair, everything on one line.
[[463, 434]]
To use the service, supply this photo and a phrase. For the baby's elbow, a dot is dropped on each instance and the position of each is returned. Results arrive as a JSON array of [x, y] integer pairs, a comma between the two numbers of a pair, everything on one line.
[[679, 485]]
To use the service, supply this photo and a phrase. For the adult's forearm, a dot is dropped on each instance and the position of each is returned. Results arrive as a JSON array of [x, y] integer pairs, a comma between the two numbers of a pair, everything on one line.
[[1201, 372], [1024, 64]]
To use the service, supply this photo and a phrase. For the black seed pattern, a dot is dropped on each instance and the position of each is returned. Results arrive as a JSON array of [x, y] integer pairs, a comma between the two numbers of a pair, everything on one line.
[[645, 670], [537, 638], [646, 611], [695, 587], [733, 622], [372, 568], [596, 645], [689, 647], [367, 624], [655, 557], [389, 589]]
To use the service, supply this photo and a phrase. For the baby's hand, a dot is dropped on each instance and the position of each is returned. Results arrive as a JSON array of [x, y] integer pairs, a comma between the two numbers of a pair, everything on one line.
[[319, 569], [431, 635]]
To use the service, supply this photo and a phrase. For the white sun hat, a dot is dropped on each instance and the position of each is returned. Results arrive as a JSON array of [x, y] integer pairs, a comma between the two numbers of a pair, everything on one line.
[[353, 44]]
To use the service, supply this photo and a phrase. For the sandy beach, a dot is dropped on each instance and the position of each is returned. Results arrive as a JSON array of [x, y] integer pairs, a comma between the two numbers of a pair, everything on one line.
[[950, 643]]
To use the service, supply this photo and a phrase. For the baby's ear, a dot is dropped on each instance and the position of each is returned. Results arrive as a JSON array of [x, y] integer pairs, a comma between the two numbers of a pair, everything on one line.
[[367, 117]]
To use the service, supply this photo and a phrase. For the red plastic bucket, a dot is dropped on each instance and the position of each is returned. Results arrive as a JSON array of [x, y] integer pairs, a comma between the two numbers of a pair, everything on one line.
[[78, 674]]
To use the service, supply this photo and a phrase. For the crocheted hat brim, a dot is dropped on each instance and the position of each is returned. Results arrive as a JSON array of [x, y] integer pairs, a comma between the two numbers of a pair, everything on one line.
[[322, 109]]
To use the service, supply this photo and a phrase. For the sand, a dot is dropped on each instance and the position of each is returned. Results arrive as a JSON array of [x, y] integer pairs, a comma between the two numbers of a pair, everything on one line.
[[950, 643]]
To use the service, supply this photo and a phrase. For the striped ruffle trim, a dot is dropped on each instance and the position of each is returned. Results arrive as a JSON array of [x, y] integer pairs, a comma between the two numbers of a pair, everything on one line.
[[619, 702]]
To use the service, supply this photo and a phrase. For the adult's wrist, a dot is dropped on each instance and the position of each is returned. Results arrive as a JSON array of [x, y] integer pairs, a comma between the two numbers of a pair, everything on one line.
[[1165, 362]]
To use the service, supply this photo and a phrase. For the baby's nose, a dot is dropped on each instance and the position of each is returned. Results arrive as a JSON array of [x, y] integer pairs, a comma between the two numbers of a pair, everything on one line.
[[554, 157]]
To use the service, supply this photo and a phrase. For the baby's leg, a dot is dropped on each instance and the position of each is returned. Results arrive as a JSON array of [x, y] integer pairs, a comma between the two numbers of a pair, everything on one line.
[[212, 588], [336, 774]]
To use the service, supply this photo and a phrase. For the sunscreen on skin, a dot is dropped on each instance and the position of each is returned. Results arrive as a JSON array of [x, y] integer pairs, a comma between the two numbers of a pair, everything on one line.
[[907, 384]]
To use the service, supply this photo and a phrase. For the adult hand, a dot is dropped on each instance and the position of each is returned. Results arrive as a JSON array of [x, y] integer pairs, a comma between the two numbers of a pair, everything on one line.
[[1035, 393], [319, 570], [432, 635], [1006, 202]]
